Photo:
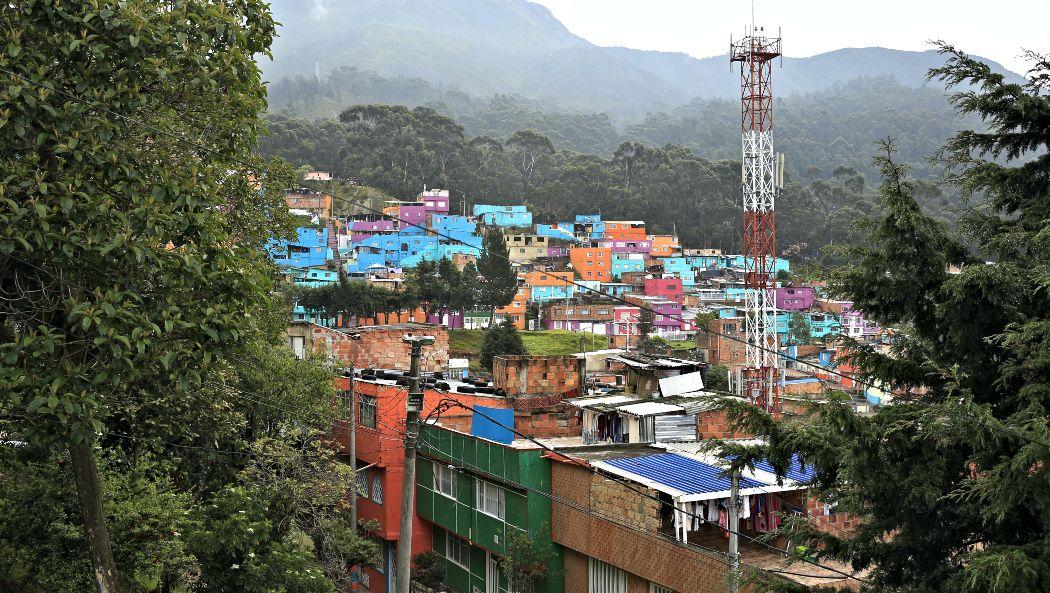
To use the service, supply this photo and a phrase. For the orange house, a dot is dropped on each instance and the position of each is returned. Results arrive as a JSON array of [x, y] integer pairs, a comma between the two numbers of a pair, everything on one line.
[[515, 311], [593, 263], [664, 246], [380, 420], [625, 230]]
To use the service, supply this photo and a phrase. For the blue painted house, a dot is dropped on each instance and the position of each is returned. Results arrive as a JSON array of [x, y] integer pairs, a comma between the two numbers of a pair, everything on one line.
[[503, 216], [626, 262], [681, 267], [309, 249]]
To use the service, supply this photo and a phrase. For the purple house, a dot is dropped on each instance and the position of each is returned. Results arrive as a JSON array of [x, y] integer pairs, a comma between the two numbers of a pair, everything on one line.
[[627, 246], [667, 314], [363, 229], [434, 200], [855, 325], [558, 252], [450, 319], [412, 215], [795, 298]]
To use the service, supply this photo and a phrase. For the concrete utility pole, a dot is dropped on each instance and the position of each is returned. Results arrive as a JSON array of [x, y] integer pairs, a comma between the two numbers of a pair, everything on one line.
[[414, 406], [352, 421], [734, 528]]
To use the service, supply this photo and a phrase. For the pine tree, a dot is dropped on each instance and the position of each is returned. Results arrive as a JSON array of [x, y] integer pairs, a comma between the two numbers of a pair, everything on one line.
[[501, 339], [500, 282], [950, 480]]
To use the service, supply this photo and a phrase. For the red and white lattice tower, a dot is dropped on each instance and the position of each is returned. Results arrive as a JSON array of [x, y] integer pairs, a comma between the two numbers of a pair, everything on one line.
[[761, 181]]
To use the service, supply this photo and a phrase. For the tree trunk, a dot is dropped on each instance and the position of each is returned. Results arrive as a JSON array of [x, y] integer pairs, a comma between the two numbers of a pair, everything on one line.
[[86, 473]]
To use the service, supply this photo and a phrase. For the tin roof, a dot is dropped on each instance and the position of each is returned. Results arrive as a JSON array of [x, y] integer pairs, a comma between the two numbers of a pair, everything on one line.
[[683, 474]]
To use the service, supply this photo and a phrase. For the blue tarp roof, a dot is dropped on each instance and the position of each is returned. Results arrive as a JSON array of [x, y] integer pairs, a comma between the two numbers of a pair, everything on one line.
[[682, 473]]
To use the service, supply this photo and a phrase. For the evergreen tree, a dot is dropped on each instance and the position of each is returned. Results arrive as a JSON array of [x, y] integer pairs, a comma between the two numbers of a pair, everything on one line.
[[501, 339], [499, 281], [799, 328], [950, 480]]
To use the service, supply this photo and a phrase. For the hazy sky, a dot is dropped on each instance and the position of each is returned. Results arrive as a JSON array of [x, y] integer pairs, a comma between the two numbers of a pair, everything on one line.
[[998, 30]]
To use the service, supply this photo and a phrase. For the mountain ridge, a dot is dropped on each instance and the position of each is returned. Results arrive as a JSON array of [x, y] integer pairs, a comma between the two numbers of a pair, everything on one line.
[[487, 47]]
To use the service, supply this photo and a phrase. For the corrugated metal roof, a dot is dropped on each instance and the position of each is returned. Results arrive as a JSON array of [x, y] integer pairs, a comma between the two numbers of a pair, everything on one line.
[[683, 474], [650, 408], [797, 471]]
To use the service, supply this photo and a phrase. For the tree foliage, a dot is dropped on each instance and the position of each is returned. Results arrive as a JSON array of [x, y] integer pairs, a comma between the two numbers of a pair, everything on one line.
[[501, 339], [950, 480]]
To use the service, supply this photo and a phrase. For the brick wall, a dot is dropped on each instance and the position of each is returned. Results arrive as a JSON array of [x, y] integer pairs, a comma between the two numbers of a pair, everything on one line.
[[552, 421], [535, 375], [721, 349], [713, 424], [381, 346], [645, 556]]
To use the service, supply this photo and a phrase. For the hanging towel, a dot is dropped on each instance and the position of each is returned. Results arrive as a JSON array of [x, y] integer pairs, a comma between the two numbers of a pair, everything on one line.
[[744, 511], [712, 511]]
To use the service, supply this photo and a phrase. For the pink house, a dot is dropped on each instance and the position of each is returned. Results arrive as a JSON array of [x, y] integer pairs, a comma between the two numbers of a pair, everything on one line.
[[795, 298], [668, 288]]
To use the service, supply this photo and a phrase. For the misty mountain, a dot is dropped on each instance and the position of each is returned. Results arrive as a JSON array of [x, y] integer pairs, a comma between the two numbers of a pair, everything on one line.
[[488, 47]]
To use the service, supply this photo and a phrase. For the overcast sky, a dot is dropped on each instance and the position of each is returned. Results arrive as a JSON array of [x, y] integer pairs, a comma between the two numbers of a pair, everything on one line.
[[998, 30]]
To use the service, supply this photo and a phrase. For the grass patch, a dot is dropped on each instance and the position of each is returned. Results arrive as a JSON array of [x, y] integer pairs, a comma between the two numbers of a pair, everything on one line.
[[467, 342]]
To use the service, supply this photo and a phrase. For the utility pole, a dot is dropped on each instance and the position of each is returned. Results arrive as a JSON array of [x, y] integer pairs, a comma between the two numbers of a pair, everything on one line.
[[734, 528], [414, 406], [352, 421]]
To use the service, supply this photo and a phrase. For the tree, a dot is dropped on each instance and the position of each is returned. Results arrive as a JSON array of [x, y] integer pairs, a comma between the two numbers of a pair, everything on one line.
[[527, 563], [501, 339], [499, 282], [529, 152], [132, 257], [716, 377], [954, 468], [799, 328]]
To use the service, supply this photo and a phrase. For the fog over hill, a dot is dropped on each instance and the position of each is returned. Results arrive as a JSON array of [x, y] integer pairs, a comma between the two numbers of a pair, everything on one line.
[[487, 47]]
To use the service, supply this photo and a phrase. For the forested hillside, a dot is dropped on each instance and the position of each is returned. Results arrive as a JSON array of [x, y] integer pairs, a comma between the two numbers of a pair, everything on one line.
[[399, 150], [517, 47], [818, 131]]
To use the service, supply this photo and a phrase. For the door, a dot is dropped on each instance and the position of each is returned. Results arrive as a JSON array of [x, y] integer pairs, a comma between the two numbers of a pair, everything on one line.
[[491, 573]]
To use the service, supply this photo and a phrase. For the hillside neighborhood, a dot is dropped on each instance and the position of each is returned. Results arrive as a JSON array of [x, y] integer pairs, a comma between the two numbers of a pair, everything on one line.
[[622, 430]]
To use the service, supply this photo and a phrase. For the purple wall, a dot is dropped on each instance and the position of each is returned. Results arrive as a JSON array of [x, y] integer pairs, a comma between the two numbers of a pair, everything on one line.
[[453, 320], [795, 298], [361, 230], [413, 215], [558, 252]]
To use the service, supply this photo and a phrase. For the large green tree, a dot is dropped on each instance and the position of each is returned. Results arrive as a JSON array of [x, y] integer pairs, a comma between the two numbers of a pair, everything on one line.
[[130, 259], [949, 480], [499, 281]]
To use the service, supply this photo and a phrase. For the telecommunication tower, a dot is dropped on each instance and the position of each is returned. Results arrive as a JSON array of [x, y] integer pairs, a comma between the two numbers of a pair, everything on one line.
[[761, 180]]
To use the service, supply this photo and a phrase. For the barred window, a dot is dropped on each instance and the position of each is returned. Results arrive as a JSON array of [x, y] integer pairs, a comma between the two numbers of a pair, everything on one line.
[[367, 411]]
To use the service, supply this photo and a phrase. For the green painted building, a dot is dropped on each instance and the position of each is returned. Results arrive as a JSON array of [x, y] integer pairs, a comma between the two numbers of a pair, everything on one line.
[[479, 495]]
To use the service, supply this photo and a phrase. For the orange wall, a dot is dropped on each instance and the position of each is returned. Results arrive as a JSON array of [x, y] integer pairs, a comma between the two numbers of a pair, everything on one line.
[[623, 231], [593, 263], [548, 278]]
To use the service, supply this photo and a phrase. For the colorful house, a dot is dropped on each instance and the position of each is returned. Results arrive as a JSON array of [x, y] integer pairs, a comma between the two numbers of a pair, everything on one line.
[[626, 262], [516, 310], [625, 230], [481, 497], [503, 216], [592, 263], [664, 246], [627, 246], [562, 230], [434, 200], [589, 227], [550, 286], [681, 267], [667, 287], [795, 298], [310, 249], [380, 427]]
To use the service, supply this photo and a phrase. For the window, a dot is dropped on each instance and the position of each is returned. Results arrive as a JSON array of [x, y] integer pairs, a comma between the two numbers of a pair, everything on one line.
[[605, 578], [457, 550], [444, 480], [362, 483], [490, 499], [345, 401], [377, 489], [366, 411]]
